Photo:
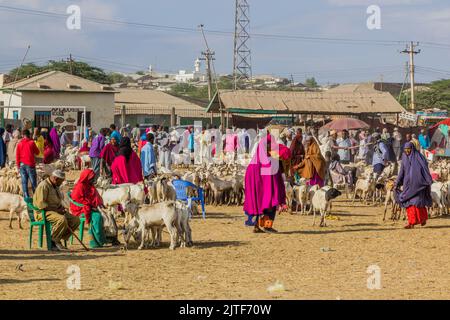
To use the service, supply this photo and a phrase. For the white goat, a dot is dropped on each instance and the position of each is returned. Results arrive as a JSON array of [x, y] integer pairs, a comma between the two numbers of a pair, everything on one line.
[[153, 217], [13, 203]]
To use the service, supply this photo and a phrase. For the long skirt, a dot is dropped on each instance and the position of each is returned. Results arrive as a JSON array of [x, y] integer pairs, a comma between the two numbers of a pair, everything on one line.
[[316, 180], [96, 231], [416, 215]]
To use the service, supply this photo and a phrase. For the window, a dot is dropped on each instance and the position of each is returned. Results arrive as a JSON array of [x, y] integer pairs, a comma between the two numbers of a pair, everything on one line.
[[16, 115], [42, 119], [88, 118]]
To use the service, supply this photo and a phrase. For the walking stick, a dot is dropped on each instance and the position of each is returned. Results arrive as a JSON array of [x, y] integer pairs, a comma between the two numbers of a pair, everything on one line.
[[76, 237]]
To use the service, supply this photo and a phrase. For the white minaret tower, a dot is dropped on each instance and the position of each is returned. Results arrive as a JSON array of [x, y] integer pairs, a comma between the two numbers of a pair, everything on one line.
[[197, 66]]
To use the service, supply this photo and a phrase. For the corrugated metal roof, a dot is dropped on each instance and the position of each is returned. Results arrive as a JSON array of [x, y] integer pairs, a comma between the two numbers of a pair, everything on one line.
[[58, 81], [288, 102], [354, 87], [155, 102]]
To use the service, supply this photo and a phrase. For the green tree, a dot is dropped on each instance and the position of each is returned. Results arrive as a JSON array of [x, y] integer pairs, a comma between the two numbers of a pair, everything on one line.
[[437, 95], [115, 77], [186, 89], [311, 83], [78, 68], [25, 71]]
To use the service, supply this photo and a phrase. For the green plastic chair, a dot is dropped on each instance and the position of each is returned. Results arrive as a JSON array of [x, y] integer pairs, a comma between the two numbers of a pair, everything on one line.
[[82, 219], [42, 225]]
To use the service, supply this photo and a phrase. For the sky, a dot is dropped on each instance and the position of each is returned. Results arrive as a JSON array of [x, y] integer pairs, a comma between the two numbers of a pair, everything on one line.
[[129, 48]]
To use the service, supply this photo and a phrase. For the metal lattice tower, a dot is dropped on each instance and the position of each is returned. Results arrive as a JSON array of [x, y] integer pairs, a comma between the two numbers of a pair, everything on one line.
[[242, 69]]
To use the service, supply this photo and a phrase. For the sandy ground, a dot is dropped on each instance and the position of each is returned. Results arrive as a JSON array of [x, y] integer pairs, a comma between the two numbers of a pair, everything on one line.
[[230, 262]]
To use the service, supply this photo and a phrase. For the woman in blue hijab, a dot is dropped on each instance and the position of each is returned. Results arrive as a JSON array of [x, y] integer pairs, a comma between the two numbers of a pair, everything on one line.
[[2, 149], [416, 180]]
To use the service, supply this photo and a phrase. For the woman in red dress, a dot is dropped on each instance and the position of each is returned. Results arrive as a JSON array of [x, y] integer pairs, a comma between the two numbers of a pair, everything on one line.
[[416, 180], [49, 152], [88, 200], [126, 167], [107, 156]]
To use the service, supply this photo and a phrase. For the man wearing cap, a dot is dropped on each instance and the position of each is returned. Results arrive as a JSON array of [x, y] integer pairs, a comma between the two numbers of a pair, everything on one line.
[[48, 197]]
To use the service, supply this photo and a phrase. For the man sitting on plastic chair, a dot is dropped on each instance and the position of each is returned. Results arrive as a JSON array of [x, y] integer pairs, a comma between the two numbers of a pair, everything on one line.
[[48, 197], [86, 200], [182, 195]]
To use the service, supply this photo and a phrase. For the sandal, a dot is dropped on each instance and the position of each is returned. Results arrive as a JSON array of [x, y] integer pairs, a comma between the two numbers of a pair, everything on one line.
[[257, 230], [409, 226]]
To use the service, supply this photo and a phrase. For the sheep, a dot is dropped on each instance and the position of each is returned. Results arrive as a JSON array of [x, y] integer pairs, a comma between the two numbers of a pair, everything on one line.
[[364, 187], [152, 192], [181, 159], [137, 193], [161, 189], [289, 194], [219, 189], [14, 204], [117, 196], [72, 161], [109, 223], [301, 196], [237, 194], [439, 192], [153, 216], [131, 209], [184, 230], [321, 201], [103, 182], [389, 197], [85, 161], [311, 192]]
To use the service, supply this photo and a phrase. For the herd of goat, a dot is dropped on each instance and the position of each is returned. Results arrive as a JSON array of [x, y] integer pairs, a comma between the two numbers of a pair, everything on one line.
[[149, 207]]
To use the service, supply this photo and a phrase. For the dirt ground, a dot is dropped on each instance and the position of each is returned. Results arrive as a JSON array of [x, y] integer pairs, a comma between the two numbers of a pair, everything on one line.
[[228, 261]]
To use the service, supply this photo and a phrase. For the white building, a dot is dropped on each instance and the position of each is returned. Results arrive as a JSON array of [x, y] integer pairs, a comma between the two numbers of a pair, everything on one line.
[[55, 97], [183, 76]]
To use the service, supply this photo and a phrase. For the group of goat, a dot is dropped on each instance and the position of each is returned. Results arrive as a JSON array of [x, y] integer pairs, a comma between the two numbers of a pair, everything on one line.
[[150, 206]]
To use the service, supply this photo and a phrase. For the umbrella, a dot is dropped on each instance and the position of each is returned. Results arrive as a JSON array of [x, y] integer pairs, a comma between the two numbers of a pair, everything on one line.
[[345, 124]]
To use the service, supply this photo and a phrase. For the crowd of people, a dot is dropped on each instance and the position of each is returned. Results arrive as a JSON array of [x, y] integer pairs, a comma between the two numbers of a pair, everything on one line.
[[320, 159], [130, 155]]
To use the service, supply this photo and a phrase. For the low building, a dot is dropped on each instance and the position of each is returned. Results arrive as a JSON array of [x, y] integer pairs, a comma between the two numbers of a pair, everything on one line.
[[157, 107], [58, 99], [258, 103]]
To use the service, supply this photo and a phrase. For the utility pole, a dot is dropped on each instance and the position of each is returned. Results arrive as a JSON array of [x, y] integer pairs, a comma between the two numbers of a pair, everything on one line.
[[411, 51], [70, 61], [208, 57]]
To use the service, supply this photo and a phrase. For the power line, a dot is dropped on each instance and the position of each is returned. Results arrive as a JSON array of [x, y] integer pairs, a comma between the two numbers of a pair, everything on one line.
[[329, 40]]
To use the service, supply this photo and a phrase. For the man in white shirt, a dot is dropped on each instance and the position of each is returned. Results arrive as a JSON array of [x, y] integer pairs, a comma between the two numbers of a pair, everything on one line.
[[344, 144], [76, 138]]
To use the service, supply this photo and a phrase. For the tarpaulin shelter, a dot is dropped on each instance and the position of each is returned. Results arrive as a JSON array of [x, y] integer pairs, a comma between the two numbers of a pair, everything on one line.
[[440, 137]]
